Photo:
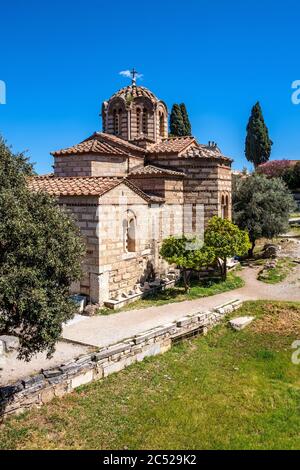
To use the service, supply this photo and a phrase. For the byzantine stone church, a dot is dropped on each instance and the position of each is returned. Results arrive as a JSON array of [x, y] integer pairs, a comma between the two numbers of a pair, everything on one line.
[[130, 186]]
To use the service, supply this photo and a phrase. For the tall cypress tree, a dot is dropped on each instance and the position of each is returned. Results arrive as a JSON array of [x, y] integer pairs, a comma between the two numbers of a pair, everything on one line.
[[258, 143], [186, 120], [177, 127]]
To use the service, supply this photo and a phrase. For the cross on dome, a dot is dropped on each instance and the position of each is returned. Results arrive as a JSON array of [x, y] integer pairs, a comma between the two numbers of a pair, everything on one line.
[[134, 76]]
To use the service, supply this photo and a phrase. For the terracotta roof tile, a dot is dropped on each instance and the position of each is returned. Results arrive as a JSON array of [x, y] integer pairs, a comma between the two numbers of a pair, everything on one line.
[[155, 198], [72, 186], [151, 170], [118, 141], [102, 144], [204, 151], [187, 147], [82, 186], [89, 146], [172, 145]]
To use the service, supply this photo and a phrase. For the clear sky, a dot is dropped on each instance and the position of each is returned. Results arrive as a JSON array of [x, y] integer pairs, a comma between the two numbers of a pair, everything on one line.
[[61, 59]]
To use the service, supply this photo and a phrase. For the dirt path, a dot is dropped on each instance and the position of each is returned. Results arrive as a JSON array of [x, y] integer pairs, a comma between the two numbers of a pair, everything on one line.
[[104, 330]]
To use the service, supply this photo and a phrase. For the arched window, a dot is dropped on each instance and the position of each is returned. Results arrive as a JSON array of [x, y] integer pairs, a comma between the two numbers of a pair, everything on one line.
[[117, 117], [119, 121], [129, 225], [225, 207], [138, 121], [131, 235], [145, 121], [161, 124], [226, 211], [116, 122]]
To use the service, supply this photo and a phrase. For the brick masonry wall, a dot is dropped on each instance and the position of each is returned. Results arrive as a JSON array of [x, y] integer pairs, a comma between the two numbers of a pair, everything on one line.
[[84, 210], [95, 165], [109, 270], [122, 270], [204, 181], [225, 187], [170, 189], [73, 165], [153, 185], [34, 391]]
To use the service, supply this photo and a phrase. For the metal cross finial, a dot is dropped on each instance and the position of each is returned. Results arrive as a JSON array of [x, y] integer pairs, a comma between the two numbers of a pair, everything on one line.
[[134, 75]]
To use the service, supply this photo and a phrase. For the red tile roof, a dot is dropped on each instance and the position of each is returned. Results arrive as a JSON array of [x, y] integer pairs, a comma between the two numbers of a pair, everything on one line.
[[72, 186], [107, 144], [81, 186], [204, 151], [186, 147], [172, 145], [154, 171], [102, 144]]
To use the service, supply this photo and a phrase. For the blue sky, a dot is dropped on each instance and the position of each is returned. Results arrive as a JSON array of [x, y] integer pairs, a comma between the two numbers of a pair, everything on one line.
[[61, 59]]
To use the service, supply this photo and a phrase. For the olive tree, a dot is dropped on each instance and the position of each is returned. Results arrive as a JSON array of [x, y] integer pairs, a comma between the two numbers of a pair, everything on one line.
[[262, 206], [225, 239], [188, 254]]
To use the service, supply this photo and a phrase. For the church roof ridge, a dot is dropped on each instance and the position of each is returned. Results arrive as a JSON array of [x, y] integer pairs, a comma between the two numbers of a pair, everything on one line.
[[172, 144], [118, 140], [102, 144]]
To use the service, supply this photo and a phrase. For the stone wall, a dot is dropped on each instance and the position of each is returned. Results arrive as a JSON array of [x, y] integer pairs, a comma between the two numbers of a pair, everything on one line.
[[225, 189], [39, 389], [122, 270], [205, 179], [85, 212], [95, 165], [171, 189], [151, 185], [109, 269]]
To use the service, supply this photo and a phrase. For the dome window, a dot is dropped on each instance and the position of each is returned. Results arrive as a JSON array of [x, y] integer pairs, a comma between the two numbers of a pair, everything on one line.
[[161, 124], [145, 121], [117, 117], [138, 121]]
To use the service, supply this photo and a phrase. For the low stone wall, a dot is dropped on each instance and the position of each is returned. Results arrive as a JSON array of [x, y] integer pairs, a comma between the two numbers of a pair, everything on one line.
[[39, 389]]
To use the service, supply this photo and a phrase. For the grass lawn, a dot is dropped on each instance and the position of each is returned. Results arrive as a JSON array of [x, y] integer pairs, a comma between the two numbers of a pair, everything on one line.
[[177, 294], [277, 274], [228, 390]]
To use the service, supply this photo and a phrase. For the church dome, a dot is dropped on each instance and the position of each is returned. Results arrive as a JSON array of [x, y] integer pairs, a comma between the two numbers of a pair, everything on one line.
[[135, 114], [131, 92]]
